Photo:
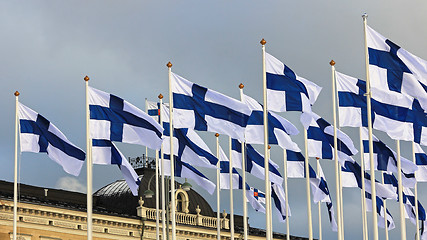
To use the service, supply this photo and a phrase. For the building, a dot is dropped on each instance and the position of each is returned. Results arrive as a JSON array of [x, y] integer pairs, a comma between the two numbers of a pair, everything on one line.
[[52, 214]]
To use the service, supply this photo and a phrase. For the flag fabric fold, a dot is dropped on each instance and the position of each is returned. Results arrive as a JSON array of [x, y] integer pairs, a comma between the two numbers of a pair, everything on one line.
[[115, 119], [320, 136], [37, 135], [105, 152], [279, 198], [285, 90], [380, 212], [421, 161], [279, 128], [203, 109]]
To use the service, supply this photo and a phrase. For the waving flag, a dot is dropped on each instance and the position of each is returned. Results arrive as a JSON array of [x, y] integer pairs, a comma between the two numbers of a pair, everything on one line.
[[323, 186], [352, 177], [114, 119], [105, 152], [380, 212], [279, 198], [255, 162], [251, 195], [421, 161], [279, 128], [385, 159], [285, 90], [295, 164], [37, 135], [153, 109], [395, 69], [408, 199], [321, 139], [394, 113], [188, 145], [185, 170], [202, 109]]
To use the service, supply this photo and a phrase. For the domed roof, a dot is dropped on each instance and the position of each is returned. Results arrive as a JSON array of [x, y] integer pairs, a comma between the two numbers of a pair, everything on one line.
[[117, 197]]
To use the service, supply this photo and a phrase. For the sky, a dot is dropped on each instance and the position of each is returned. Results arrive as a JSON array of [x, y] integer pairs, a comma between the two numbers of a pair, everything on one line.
[[47, 47]]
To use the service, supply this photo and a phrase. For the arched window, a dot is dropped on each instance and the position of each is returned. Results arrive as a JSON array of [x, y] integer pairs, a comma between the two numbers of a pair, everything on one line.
[[182, 202]]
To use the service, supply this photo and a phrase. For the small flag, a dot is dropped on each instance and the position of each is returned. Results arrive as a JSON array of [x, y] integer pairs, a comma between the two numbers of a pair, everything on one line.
[[114, 119], [39, 135], [279, 198], [105, 152], [202, 109], [380, 212], [421, 161], [285, 90]]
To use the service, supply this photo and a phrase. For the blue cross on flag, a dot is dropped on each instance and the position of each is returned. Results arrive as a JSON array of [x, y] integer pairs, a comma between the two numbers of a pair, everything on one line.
[[37, 135], [114, 119], [287, 91], [203, 109]]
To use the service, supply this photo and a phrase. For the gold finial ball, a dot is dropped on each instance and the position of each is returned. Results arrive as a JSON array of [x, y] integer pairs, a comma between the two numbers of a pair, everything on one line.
[[332, 62], [317, 158], [241, 86], [263, 42], [86, 78], [269, 147], [169, 64], [160, 96], [16, 93], [216, 134]]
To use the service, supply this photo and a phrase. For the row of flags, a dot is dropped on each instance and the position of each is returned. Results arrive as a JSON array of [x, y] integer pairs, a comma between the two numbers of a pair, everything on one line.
[[399, 104]]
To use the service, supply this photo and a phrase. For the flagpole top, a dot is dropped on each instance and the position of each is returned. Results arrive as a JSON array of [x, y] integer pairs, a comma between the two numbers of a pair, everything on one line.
[[169, 65], [364, 15], [241, 86], [263, 42], [216, 134], [269, 147], [16, 93], [86, 78], [332, 62], [160, 96]]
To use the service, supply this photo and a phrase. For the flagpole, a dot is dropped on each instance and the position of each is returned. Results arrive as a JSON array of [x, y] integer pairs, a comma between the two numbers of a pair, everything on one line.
[[307, 183], [318, 205], [172, 162], [371, 147], [146, 148], [162, 181], [285, 166], [88, 164], [385, 211], [230, 167], [15, 178], [245, 209], [400, 189], [270, 209], [218, 211], [362, 166], [417, 223], [157, 183], [337, 172], [266, 166]]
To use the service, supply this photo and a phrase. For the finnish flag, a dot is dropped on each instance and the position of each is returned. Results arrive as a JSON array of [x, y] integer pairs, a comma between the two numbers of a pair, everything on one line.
[[395, 69], [203, 109], [105, 152], [285, 90], [185, 170], [351, 176], [421, 161], [251, 196], [114, 119], [320, 136], [322, 186], [279, 198], [188, 145], [385, 159], [153, 109], [295, 164], [255, 162], [408, 199], [393, 113], [380, 212], [37, 135], [279, 128]]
